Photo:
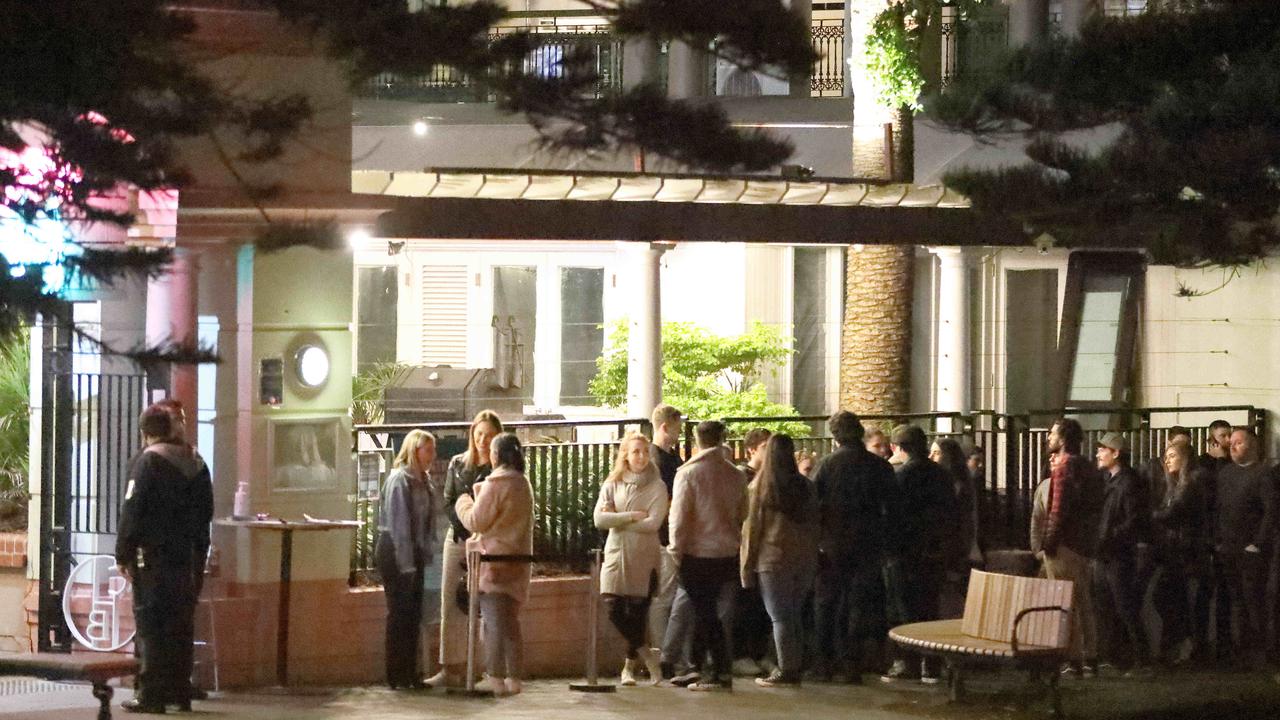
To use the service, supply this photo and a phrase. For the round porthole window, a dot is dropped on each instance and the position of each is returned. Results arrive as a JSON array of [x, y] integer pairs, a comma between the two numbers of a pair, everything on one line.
[[312, 364]]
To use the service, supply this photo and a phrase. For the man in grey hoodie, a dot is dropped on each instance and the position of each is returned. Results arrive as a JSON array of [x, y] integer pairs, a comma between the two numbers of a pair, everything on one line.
[[161, 547], [707, 510]]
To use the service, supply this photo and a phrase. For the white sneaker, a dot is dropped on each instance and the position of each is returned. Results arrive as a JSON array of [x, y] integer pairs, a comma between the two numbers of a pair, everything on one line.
[[441, 679], [651, 663], [497, 685], [514, 686], [628, 674]]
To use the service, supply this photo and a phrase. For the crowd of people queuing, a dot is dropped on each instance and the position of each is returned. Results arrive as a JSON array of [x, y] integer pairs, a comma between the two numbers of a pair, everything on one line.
[[789, 569]]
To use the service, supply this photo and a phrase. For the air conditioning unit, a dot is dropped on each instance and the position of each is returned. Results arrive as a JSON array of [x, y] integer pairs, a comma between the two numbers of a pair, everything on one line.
[[733, 81]]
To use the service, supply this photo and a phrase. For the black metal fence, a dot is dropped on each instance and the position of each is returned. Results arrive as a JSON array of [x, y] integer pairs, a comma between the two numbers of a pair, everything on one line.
[[552, 43], [566, 461], [444, 84], [104, 438]]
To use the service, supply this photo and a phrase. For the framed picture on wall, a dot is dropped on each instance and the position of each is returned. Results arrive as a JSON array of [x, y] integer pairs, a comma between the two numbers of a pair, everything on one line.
[[304, 453]]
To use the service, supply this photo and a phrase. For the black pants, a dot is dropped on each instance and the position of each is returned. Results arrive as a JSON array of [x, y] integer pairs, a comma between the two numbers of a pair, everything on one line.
[[752, 627], [630, 615], [164, 613], [404, 625], [919, 583], [1242, 589], [703, 579], [849, 609], [1118, 593]]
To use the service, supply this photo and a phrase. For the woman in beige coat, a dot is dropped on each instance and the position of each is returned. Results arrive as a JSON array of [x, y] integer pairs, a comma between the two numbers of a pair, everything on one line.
[[632, 506], [500, 519]]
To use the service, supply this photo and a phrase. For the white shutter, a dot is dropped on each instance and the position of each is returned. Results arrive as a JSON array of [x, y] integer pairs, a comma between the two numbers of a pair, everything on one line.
[[444, 315]]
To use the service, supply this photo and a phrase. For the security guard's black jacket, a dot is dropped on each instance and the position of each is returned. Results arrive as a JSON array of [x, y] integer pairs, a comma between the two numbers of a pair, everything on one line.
[[164, 523]]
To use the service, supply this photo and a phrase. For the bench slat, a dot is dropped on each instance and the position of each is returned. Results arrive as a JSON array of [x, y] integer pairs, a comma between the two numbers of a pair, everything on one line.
[[60, 666]]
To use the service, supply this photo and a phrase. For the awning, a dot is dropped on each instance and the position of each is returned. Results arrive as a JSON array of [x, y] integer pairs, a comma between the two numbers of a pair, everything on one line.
[[558, 205]]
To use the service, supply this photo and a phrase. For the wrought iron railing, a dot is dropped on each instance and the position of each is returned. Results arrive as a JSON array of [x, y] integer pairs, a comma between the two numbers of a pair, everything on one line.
[[443, 84], [827, 79]]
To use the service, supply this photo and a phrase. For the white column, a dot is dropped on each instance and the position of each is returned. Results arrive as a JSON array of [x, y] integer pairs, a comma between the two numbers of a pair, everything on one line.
[[952, 384], [639, 61], [644, 338], [1028, 20], [1074, 15], [687, 69], [172, 316]]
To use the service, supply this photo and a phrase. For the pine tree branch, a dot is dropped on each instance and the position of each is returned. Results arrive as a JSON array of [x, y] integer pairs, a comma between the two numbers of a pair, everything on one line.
[[108, 266]]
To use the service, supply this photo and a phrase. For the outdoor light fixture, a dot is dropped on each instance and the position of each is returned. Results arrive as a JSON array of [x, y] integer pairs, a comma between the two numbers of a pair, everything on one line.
[[358, 237], [311, 362], [420, 128]]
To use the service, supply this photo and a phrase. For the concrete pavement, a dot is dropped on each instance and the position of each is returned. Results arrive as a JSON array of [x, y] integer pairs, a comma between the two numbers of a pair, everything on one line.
[[1181, 696]]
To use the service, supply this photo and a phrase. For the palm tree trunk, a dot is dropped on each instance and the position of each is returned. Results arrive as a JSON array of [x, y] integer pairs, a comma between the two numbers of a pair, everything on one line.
[[875, 342]]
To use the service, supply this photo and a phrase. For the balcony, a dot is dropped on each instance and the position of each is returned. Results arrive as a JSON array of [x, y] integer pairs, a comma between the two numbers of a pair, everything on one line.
[[553, 40]]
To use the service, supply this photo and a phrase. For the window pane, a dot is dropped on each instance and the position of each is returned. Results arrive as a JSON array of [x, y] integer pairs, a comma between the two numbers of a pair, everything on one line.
[[515, 305], [809, 318], [378, 294], [581, 332], [1101, 312]]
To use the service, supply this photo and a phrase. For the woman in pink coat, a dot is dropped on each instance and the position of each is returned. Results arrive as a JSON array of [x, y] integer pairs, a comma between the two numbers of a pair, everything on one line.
[[501, 520]]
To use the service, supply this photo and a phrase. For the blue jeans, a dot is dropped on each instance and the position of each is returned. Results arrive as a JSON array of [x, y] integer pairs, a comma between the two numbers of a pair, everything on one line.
[[783, 592]]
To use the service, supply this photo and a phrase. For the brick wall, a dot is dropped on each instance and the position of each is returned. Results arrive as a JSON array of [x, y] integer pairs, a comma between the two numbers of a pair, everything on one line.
[[13, 550]]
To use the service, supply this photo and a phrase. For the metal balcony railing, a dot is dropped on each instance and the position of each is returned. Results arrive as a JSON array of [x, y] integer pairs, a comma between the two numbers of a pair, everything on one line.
[[443, 84]]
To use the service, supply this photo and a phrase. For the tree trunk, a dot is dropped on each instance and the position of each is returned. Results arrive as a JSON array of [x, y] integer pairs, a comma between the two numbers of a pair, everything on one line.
[[875, 342]]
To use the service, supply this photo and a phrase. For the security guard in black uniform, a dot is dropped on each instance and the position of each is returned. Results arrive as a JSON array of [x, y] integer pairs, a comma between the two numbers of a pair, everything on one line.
[[161, 547]]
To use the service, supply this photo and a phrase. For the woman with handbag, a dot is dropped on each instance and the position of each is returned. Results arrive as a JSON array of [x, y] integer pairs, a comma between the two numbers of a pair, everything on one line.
[[632, 506], [501, 519], [465, 470], [405, 529]]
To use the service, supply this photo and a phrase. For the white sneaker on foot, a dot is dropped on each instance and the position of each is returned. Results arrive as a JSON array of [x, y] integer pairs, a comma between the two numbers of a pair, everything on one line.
[[497, 685], [628, 673], [651, 663], [514, 686]]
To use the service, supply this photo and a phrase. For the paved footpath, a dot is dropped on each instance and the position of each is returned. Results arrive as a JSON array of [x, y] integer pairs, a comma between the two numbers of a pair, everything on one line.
[[1175, 696]]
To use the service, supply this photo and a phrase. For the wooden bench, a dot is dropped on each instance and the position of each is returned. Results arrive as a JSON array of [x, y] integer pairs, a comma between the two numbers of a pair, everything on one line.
[[1009, 621], [97, 669]]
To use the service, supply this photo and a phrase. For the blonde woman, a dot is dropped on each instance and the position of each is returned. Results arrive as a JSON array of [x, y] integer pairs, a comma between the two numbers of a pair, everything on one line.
[[501, 518], [632, 506], [405, 529], [465, 470]]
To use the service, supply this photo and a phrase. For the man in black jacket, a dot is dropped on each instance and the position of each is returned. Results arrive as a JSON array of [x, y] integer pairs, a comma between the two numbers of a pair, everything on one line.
[[161, 547], [1124, 524], [922, 522], [853, 488], [1246, 515]]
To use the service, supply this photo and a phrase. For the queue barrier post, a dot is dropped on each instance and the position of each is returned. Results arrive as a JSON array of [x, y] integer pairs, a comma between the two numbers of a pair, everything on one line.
[[593, 683], [474, 559]]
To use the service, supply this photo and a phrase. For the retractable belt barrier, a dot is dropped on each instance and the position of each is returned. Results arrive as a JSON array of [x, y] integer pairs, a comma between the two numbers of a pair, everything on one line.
[[474, 559]]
